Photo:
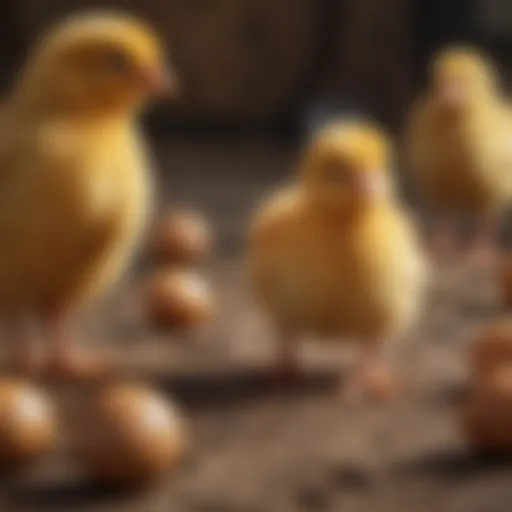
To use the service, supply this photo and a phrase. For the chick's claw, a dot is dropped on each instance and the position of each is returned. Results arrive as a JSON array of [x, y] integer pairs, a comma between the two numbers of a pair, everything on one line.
[[375, 384], [483, 254], [442, 246]]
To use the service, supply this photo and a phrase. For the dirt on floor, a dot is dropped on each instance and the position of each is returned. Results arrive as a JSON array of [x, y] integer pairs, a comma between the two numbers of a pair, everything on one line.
[[260, 447]]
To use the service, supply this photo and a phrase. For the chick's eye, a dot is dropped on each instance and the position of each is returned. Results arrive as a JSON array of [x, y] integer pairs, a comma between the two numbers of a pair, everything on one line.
[[117, 61]]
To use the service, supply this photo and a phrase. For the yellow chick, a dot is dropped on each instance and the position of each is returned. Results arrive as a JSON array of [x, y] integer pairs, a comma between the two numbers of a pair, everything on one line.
[[334, 255], [74, 181], [459, 147]]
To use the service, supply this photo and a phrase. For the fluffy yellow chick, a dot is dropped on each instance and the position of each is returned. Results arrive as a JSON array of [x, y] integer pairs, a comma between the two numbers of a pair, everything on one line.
[[334, 255], [459, 145], [74, 182]]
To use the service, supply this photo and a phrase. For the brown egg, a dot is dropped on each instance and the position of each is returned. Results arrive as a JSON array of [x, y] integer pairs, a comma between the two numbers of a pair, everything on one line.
[[492, 349], [182, 238], [28, 423], [487, 417], [504, 278], [128, 434], [179, 298]]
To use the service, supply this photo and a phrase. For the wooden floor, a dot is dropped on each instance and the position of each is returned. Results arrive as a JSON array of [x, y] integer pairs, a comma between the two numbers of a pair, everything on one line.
[[259, 448]]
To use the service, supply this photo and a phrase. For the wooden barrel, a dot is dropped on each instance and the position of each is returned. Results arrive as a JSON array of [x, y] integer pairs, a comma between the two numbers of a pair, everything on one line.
[[375, 54], [240, 60]]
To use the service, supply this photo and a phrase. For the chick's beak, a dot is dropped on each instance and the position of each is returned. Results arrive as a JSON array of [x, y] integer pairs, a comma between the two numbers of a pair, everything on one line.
[[372, 184], [159, 81], [452, 93]]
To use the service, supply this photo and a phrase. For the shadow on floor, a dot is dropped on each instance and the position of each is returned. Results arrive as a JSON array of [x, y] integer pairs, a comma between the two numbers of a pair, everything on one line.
[[235, 388], [454, 465], [68, 495]]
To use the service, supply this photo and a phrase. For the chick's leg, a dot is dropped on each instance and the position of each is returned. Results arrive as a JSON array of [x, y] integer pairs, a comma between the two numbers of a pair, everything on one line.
[[67, 358], [442, 238], [25, 357], [485, 247], [287, 366], [370, 378]]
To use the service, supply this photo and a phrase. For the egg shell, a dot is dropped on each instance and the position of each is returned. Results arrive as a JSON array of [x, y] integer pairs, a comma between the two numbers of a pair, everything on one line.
[[182, 237], [486, 418], [129, 434], [179, 298], [28, 422]]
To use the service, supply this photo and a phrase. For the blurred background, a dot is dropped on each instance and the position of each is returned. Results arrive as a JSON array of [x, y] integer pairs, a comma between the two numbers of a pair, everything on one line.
[[258, 66]]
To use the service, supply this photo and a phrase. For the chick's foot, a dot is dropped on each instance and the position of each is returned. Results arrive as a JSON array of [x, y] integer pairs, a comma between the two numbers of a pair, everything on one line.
[[373, 382], [442, 246], [483, 254], [287, 367]]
